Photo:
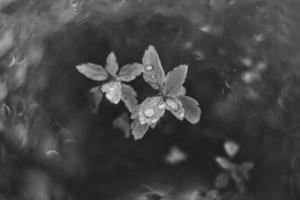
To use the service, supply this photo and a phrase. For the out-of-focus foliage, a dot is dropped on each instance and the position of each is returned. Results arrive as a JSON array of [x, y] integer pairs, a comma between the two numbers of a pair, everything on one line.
[[243, 58], [239, 173]]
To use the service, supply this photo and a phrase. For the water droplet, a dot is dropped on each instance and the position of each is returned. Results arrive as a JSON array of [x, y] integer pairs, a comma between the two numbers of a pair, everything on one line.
[[149, 112], [172, 104], [52, 154], [154, 121], [148, 67], [155, 87], [142, 121], [152, 76], [162, 106]]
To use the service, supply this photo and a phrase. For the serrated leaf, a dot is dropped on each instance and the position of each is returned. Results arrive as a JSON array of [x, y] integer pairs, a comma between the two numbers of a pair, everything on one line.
[[151, 110], [122, 122], [153, 74], [175, 80], [111, 64], [192, 112], [92, 71], [130, 72], [175, 107], [138, 129], [96, 97], [222, 180], [112, 91], [129, 97], [225, 164], [231, 148]]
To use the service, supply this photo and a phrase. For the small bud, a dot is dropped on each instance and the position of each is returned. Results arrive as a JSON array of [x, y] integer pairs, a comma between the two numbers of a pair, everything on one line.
[[154, 121]]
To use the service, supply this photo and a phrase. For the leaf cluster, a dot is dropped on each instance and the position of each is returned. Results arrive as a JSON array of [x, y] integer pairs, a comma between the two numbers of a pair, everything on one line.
[[170, 90], [238, 173]]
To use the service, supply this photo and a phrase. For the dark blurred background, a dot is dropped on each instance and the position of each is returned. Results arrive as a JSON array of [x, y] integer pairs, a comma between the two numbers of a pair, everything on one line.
[[243, 58]]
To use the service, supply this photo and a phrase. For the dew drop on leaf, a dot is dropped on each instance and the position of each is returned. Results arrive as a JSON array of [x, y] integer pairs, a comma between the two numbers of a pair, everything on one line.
[[149, 112], [172, 104], [148, 67], [152, 76], [162, 106], [154, 121]]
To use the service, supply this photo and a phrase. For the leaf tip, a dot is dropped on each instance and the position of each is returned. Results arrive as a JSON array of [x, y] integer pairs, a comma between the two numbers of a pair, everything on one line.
[[184, 67], [112, 55], [151, 48]]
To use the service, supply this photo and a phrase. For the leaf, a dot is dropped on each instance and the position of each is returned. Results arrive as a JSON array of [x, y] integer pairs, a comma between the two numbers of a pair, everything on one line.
[[222, 180], [130, 72], [231, 148], [175, 107], [122, 123], [175, 80], [192, 112], [138, 129], [93, 71], [245, 168], [151, 110], [238, 180], [129, 97], [241, 174], [96, 97], [113, 91], [153, 74], [225, 164], [112, 64]]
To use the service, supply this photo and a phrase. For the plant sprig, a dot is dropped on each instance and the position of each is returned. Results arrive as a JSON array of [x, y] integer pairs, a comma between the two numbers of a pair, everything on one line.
[[113, 87], [171, 92], [171, 96]]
